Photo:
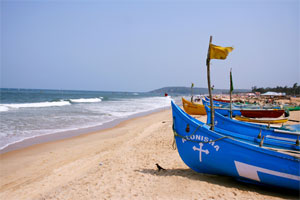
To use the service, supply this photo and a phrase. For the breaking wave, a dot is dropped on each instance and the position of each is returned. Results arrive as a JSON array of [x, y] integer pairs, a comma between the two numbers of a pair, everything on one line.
[[6, 107], [89, 100]]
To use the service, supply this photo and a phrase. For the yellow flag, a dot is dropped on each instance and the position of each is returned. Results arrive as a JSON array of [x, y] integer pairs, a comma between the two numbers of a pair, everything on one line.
[[217, 52]]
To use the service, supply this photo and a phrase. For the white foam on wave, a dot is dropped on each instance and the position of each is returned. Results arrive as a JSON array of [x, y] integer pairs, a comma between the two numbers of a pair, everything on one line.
[[6, 107], [3, 108], [90, 100], [48, 132], [108, 110], [127, 107]]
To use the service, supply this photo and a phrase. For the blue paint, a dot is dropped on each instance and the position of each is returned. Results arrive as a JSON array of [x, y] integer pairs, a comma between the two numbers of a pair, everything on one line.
[[264, 166]]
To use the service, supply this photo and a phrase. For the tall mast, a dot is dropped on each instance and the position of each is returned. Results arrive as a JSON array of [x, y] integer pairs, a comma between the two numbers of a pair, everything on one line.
[[212, 110]]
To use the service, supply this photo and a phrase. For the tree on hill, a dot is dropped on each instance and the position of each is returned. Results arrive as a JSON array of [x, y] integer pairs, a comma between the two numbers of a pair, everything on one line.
[[294, 90]]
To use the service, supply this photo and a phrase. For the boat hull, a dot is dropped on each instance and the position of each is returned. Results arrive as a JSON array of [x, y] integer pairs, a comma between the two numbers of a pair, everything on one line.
[[226, 112], [206, 151], [251, 113], [262, 120], [224, 100], [262, 113], [293, 108], [253, 130], [193, 108]]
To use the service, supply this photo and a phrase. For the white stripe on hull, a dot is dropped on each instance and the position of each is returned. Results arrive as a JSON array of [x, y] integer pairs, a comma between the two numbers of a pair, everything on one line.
[[250, 171]]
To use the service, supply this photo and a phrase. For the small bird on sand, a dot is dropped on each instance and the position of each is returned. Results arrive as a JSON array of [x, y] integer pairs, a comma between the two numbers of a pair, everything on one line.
[[159, 167]]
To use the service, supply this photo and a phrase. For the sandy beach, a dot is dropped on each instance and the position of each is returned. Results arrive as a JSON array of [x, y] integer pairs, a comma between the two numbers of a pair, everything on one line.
[[119, 163], [86, 90]]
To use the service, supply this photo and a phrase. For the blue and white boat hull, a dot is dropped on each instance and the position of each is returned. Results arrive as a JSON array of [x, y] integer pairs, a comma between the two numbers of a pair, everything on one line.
[[206, 151]]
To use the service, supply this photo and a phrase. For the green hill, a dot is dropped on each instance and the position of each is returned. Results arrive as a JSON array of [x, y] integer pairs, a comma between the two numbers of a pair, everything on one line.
[[196, 91]]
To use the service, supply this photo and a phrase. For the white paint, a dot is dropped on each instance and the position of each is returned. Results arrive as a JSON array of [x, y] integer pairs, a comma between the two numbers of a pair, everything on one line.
[[250, 171], [200, 151]]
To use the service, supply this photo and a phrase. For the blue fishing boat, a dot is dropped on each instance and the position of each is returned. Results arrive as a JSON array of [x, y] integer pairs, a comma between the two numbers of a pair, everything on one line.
[[207, 151], [216, 103], [224, 111], [242, 105], [248, 112], [271, 136]]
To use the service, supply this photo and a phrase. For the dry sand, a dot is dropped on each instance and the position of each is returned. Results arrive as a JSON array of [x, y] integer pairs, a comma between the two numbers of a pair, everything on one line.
[[118, 163]]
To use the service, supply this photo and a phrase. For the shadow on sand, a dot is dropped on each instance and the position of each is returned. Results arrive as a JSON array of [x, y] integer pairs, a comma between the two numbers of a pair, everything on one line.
[[225, 181]]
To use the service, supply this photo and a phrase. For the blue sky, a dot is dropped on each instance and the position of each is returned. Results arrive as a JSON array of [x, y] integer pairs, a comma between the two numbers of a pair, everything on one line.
[[145, 45]]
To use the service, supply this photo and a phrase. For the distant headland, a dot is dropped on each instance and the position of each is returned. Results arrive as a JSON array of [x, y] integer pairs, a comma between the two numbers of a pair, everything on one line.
[[196, 91]]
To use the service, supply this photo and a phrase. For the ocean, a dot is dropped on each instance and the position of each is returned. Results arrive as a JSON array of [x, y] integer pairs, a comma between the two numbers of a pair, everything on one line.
[[29, 113]]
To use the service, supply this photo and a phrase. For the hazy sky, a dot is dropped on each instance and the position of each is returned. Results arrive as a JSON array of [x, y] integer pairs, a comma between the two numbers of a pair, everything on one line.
[[144, 45]]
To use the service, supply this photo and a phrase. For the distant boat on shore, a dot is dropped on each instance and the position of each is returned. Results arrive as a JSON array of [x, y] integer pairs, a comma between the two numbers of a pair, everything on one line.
[[193, 108], [262, 120], [248, 112]]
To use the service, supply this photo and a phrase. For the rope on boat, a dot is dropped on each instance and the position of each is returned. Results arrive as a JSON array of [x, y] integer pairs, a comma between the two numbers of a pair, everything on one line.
[[174, 147]]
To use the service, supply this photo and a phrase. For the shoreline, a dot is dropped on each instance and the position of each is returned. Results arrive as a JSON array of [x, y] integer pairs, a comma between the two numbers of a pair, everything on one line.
[[39, 139], [118, 163]]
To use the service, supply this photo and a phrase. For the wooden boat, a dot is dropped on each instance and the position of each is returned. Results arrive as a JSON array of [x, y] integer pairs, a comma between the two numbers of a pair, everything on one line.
[[216, 103], [193, 108], [225, 100], [251, 113], [256, 130], [207, 151], [226, 111], [262, 120], [292, 108], [223, 111], [238, 105], [261, 113]]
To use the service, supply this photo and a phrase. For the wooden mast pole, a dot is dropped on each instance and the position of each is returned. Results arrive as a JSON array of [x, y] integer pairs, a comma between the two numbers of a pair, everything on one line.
[[192, 92], [212, 113], [230, 94]]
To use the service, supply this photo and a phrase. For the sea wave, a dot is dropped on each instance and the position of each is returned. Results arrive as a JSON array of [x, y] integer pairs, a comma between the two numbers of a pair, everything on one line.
[[6, 107], [72, 117], [89, 100], [127, 107], [3, 108]]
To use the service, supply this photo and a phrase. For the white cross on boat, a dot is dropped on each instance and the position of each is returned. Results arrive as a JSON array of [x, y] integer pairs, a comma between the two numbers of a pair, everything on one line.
[[200, 151]]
